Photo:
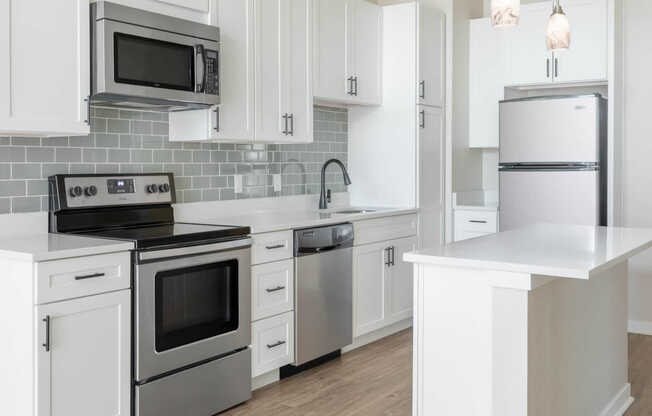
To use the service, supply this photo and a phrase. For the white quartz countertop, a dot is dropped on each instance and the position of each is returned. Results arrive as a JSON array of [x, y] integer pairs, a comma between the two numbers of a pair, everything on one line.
[[46, 246], [571, 251], [269, 221]]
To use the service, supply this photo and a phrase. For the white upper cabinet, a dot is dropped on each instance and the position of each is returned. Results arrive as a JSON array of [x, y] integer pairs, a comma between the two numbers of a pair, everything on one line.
[[586, 59], [488, 54], [200, 11], [348, 51], [430, 67], [283, 71], [529, 59], [233, 120], [44, 67]]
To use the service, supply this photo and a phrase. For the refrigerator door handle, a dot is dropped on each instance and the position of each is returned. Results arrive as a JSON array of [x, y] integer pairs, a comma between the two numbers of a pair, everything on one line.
[[549, 167]]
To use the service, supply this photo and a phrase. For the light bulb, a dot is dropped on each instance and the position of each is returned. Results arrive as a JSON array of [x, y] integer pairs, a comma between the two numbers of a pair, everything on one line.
[[558, 32], [505, 12]]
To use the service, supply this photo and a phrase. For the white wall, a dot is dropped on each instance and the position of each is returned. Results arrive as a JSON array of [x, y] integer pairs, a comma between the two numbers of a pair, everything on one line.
[[637, 144], [467, 163]]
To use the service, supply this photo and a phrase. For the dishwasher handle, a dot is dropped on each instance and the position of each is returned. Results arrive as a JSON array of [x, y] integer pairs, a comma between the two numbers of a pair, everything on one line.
[[312, 250]]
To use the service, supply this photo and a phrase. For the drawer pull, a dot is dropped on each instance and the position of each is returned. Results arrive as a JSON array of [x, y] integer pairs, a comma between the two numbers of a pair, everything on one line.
[[275, 289], [90, 276], [275, 246], [276, 344], [478, 221], [46, 345]]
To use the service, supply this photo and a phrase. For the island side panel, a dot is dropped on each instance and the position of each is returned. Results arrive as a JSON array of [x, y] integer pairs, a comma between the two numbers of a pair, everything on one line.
[[452, 342], [577, 346]]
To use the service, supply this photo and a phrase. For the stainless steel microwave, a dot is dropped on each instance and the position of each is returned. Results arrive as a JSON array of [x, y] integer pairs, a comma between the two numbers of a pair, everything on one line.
[[148, 60]]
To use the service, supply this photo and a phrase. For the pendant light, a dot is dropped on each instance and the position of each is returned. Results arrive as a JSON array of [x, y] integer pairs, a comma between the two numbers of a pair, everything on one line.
[[505, 12], [558, 32]]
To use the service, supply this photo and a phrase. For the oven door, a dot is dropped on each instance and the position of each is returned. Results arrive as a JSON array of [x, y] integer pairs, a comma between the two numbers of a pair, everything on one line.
[[153, 65], [191, 304]]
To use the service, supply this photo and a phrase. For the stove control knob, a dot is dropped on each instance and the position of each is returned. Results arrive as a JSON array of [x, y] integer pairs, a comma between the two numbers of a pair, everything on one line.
[[152, 189], [90, 190], [164, 188], [76, 191]]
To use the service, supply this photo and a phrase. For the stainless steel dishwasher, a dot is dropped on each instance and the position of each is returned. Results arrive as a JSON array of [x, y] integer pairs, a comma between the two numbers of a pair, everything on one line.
[[323, 278]]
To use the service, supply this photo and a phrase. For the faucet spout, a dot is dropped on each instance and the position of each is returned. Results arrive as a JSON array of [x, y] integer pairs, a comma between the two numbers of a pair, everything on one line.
[[345, 175]]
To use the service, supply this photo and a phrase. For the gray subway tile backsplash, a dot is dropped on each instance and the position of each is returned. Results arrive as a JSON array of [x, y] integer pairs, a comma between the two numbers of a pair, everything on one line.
[[128, 141]]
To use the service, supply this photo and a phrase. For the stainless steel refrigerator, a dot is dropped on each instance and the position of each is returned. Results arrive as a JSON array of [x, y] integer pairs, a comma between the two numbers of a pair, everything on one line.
[[553, 161]]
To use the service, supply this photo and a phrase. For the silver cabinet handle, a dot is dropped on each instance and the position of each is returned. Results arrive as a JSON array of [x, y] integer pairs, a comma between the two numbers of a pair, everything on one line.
[[388, 261], [291, 117], [422, 116], [478, 221], [87, 100], [90, 276], [285, 124], [274, 247], [276, 344], [548, 68], [355, 84], [422, 89], [556, 67], [350, 82], [217, 119], [275, 289], [47, 333], [392, 250]]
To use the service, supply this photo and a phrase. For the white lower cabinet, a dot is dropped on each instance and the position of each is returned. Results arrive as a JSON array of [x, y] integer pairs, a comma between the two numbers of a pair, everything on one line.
[[382, 284], [272, 289], [471, 224], [272, 343], [84, 356]]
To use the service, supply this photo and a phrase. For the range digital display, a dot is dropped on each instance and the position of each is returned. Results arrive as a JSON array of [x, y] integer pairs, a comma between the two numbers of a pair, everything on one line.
[[120, 186]]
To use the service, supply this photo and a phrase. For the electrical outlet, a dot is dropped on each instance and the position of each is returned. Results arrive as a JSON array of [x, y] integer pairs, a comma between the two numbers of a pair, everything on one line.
[[237, 184], [277, 182]]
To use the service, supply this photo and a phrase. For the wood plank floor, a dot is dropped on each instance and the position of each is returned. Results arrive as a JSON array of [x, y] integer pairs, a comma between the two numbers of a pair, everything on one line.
[[377, 380]]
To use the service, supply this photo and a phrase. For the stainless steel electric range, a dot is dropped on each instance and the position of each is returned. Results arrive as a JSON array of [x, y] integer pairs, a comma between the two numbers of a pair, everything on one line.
[[191, 290]]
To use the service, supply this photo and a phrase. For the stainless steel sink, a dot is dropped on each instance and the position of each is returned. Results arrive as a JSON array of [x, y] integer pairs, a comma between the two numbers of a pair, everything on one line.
[[354, 211]]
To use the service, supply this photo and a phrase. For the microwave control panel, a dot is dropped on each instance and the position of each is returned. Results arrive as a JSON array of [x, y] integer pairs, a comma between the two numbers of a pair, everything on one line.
[[212, 73]]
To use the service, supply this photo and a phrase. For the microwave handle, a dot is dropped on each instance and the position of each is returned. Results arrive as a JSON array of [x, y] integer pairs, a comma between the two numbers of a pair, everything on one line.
[[200, 51]]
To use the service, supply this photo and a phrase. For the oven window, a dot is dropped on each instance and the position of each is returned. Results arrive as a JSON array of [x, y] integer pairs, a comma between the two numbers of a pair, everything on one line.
[[154, 63], [195, 303]]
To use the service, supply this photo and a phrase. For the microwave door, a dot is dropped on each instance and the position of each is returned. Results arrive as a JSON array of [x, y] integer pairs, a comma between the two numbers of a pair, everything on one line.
[[153, 66]]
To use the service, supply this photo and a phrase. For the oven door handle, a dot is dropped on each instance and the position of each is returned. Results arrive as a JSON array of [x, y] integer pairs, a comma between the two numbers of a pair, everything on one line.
[[192, 250]]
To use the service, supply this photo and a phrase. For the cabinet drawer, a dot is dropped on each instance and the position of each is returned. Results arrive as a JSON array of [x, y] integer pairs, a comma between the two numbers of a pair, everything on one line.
[[82, 276], [273, 343], [272, 289], [270, 247], [476, 221], [388, 228]]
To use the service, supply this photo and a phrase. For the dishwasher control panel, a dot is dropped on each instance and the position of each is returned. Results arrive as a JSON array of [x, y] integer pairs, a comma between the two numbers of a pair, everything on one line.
[[322, 239]]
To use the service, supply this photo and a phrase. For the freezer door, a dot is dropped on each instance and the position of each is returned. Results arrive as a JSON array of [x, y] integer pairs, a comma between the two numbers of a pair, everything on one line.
[[550, 130], [567, 197]]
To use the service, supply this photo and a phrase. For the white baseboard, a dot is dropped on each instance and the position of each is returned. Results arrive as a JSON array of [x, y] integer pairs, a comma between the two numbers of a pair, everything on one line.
[[378, 334], [265, 379], [640, 327], [620, 403]]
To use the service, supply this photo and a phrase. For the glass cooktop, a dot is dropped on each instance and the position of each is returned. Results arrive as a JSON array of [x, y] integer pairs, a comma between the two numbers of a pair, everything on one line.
[[180, 233]]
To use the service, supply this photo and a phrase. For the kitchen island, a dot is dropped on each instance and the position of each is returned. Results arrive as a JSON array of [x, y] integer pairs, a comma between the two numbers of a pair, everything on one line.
[[525, 322]]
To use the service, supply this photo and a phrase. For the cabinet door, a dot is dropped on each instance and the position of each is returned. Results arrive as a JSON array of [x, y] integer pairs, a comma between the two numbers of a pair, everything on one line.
[[586, 60], [44, 67], [431, 177], [330, 49], [369, 287], [400, 276], [297, 70], [236, 110], [530, 61], [431, 51], [488, 53], [86, 370], [200, 11], [283, 71], [367, 35]]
